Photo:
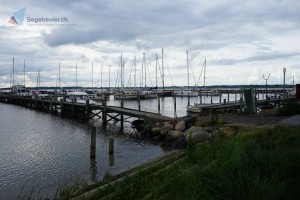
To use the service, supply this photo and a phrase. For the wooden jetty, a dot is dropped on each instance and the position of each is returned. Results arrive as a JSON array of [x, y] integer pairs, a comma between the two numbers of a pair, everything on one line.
[[83, 111], [234, 105]]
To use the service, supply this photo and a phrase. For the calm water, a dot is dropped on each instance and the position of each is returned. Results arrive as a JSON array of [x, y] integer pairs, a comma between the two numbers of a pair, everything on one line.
[[42, 152]]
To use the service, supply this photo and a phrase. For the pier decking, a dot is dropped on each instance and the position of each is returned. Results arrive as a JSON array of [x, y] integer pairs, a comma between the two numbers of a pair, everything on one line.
[[83, 111]]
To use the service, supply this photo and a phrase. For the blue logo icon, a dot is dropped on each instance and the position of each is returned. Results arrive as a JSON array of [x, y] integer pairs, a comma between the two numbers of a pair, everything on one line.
[[18, 17]]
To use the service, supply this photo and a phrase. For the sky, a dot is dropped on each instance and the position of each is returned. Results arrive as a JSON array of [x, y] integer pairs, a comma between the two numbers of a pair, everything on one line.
[[243, 42]]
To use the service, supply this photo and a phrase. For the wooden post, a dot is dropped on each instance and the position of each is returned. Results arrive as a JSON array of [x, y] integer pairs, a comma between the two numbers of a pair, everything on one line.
[[174, 98], [93, 143], [104, 112], [111, 146], [188, 98], [235, 96], [220, 97], [200, 94], [211, 96], [73, 108], [139, 101], [228, 96], [158, 104], [224, 101], [87, 110]]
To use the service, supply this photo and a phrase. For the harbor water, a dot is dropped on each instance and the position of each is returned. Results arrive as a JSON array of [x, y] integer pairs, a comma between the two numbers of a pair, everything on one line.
[[40, 153]]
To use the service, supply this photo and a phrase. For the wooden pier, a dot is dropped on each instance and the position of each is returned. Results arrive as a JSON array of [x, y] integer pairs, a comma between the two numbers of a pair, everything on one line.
[[83, 111]]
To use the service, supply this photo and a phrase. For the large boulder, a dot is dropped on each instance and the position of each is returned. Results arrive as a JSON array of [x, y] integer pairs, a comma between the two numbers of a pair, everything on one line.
[[180, 126], [156, 130], [210, 128], [171, 136], [189, 121], [197, 137], [159, 124], [166, 128], [192, 129]]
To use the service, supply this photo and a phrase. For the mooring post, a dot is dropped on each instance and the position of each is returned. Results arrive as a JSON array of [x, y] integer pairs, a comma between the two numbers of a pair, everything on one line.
[[224, 101], [220, 98], [174, 97], [188, 98], [158, 104], [51, 104], [73, 108], [111, 146], [211, 97], [139, 101], [93, 143], [200, 94], [87, 109], [104, 112], [234, 96], [228, 96]]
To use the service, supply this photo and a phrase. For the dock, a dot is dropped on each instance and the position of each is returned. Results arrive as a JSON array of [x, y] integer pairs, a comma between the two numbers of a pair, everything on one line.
[[83, 111]]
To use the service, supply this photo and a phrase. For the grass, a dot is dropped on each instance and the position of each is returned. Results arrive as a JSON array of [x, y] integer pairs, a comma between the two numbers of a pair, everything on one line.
[[257, 164]]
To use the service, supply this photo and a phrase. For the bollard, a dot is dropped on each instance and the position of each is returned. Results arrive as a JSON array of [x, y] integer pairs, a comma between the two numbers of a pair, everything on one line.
[[158, 104], [111, 146], [93, 143]]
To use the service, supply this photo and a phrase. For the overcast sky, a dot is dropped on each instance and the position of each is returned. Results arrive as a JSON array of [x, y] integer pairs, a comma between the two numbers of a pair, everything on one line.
[[241, 40]]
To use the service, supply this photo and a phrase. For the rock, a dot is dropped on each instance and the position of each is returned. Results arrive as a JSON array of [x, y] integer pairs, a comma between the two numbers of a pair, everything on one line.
[[189, 121], [166, 128], [180, 126], [179, 143], [175, 134], [173, 122], [228, 131], [210, 128], [159, 124], [192, 129], [156, 130], [197, 137]]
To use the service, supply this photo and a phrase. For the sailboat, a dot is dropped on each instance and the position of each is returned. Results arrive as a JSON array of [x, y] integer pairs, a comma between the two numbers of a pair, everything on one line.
[[206, 91]]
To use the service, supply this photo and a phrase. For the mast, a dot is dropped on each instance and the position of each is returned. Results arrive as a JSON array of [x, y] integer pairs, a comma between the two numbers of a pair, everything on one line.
[[162, 66], [76, 76], [204, 71], [187, 65], [101, 74], [109, 77], [24, 72], [58, 76], [144, 61], [134, 64], [121, 62], [92, 74], [156, 71], [13, 72]]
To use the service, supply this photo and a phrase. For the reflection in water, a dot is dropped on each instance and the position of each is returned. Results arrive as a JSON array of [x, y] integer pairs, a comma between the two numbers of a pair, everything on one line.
[[93, 169], [111, 159]]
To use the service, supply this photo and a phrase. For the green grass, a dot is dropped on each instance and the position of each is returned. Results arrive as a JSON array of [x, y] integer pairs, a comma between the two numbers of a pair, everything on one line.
[[257, 164]]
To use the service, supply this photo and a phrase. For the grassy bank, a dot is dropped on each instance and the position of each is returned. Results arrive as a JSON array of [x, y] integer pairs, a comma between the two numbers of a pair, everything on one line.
[[257, 164]]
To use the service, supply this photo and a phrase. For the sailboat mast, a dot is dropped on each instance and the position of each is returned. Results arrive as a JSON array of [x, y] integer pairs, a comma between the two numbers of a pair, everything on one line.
[[121, 62], [156, 71], [204, 71], [187, 65], [13, 72], [101, 74], [144, 61], [92, 74], [134, 64], [76, 76], [24, 72], [162, 66], [109, 77]]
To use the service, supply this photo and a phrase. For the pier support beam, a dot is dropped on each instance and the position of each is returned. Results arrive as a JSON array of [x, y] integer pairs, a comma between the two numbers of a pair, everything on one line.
[[158, 104], [104, 112], [93, 143]]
